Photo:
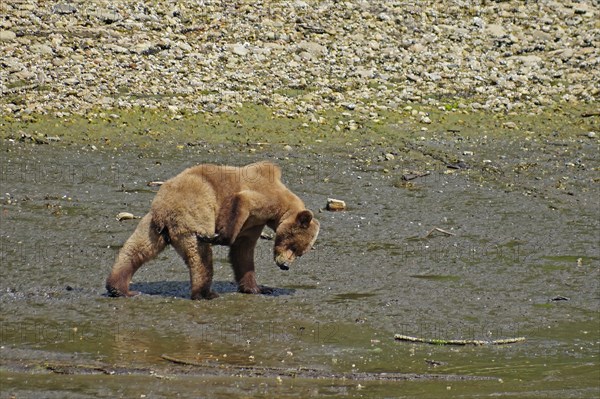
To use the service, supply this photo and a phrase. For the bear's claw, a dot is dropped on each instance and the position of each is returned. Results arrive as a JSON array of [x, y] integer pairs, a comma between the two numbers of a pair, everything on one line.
[[209, 239]]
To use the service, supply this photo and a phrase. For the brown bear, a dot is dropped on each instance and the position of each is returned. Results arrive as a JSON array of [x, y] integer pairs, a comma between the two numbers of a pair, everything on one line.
[[223, 205]]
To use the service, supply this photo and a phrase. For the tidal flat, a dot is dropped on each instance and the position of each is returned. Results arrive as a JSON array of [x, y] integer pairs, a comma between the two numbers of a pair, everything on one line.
[[473, 226]]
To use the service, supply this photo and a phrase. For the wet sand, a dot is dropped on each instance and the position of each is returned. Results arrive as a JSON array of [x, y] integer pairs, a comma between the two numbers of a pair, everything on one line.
[[521, 260]]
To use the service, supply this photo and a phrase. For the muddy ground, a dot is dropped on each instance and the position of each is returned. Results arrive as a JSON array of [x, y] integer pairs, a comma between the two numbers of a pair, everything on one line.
[[515, 199]]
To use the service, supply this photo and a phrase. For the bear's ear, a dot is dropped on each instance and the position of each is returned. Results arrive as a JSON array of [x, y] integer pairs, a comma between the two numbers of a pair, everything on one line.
[[304, 217]]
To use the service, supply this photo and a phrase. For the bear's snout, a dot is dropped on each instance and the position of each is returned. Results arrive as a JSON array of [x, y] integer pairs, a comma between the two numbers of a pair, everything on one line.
[[284, 266], [284, 259]]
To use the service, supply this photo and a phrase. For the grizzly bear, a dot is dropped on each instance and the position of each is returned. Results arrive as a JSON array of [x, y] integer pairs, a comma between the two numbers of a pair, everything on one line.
[[218, 205]]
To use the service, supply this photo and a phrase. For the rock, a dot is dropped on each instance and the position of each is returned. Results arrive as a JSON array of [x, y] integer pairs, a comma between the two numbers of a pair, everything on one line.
[[567, 53], [125, 216], [7, 35], [529, 59], [143, 48], [64, 9], [43, 49], [335, 205], [107, 16], [365, 73], [306, 56], [71, 81], [239, 49], [24, 75], [425, 119], [116, 49], [495, 30], [313, 48]]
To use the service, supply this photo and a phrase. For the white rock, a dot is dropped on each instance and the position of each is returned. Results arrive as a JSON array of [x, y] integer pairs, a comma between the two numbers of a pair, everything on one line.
[[495, 30], [313, 48], [41, 49], [239, 49], [7, 35]]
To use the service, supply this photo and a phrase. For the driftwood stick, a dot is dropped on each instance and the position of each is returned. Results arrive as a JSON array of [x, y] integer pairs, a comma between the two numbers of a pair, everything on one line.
[[400, 337], [591, 113], [236, 367], [440, 230], [413, 176], [182, 361]]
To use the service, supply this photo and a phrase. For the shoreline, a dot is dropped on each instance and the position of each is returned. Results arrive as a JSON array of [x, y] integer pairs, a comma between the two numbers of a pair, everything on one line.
[[301, 59]]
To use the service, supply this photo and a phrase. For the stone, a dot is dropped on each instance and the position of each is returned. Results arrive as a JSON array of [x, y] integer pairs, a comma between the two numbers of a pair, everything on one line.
[[107, 16], [335, 205], [64, 8], [313, 48], [239, 49], [7, 35], [495, 30], [116, 48], [142, 48], [125, 216], [529, 59], [425, 119], [43, 49], [71, 81]]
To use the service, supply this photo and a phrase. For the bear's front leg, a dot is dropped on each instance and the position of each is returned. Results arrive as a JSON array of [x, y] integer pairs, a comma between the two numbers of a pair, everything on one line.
[[241, 255]]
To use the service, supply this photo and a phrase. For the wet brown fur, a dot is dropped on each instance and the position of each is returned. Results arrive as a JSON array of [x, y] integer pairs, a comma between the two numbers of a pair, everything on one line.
[[210, 204]]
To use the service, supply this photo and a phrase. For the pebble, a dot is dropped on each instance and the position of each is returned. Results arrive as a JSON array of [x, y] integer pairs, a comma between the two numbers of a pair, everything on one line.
[[41, 49], [64, 9], [357, 56], [239, 49], [335, 205], [125, 216], [7, 35]]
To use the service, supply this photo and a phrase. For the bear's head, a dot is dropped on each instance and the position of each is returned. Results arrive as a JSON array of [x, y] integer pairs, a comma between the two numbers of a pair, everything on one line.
[[294, 237]]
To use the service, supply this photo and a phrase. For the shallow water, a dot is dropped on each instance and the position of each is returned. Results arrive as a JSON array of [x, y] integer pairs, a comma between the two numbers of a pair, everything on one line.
[[522, 260]]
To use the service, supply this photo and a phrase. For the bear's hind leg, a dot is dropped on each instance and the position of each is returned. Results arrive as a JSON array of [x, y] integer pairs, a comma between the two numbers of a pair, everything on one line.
[[144, 244], [198, 258]]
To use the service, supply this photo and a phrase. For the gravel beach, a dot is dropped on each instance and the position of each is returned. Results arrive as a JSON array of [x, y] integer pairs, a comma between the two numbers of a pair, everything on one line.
[[298, 57]]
